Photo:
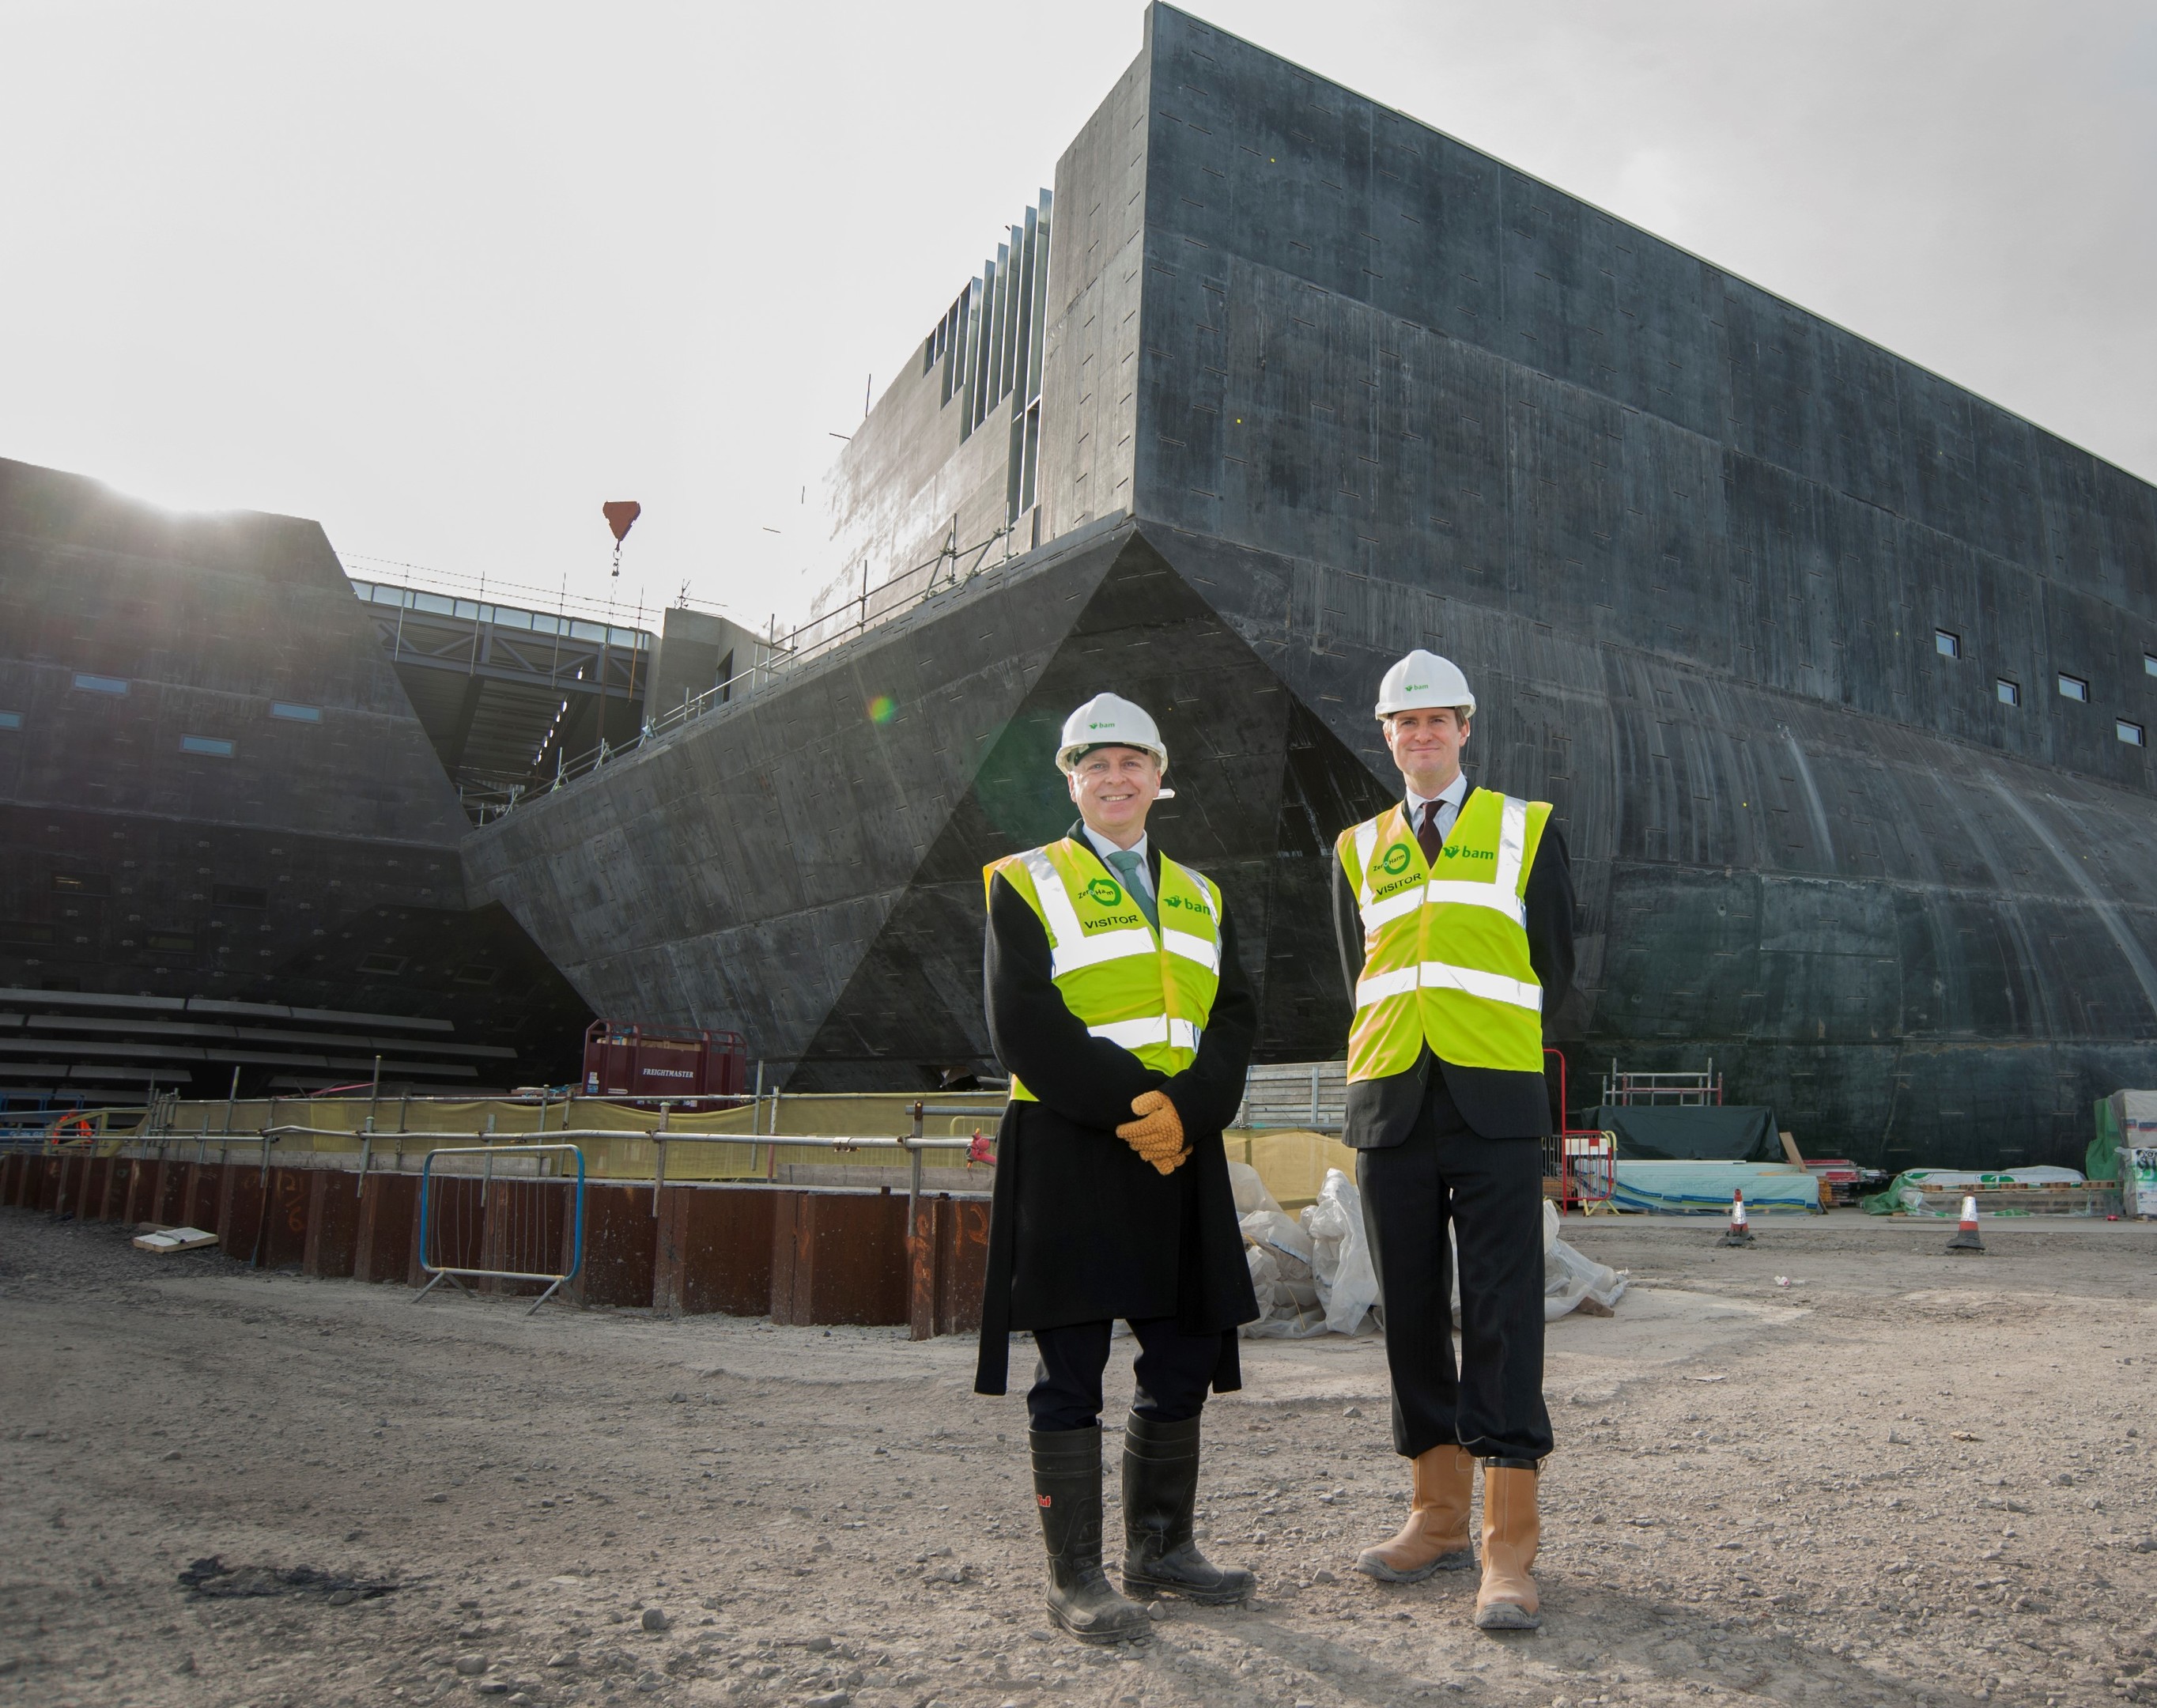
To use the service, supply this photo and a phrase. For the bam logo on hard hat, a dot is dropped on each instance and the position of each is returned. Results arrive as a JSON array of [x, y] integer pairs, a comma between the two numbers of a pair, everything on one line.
[[1104, 891]]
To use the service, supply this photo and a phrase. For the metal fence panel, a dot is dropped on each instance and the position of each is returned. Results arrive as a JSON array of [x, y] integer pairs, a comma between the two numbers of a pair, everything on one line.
[[494, 1214]]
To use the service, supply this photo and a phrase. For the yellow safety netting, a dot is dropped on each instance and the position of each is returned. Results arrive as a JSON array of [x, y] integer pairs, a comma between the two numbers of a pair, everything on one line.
[[1292, 1164]]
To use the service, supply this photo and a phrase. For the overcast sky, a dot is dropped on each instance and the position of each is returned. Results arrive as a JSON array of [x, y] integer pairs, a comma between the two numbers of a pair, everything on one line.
[[447, 275]]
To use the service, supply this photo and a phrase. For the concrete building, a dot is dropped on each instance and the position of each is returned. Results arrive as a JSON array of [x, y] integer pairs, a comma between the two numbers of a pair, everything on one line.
[[226, 841], [1840, 677]]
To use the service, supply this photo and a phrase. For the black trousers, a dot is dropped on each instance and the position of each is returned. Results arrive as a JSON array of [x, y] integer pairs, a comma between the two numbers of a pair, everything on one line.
[[1490, 1191], [1174, 1370]]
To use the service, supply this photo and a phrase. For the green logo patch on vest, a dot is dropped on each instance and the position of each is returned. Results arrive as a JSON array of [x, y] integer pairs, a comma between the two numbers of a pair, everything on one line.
[[1105, 890], [1397, 859]]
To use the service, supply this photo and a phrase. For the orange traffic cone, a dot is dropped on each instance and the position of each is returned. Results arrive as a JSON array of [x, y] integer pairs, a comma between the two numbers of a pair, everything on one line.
[[1965, 1237], [1741, 1231]]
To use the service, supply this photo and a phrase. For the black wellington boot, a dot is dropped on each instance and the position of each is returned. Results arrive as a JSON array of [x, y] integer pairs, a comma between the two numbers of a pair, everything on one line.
[[1160, 1488], [1067, 1486]]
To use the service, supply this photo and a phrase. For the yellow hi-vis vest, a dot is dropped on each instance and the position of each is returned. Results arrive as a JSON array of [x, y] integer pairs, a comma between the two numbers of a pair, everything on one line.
[[1445, 954], [1150, 992]]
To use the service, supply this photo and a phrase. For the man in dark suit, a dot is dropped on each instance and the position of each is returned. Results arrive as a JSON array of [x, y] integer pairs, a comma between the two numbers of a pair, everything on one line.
[[1455, 916], [1117, 1000]]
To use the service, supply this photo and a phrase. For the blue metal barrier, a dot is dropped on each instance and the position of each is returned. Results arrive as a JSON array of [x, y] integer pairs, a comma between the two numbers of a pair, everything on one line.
[[516, 1235]]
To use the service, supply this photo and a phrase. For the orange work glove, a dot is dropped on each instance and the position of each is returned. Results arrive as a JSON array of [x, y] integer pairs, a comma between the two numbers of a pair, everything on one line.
[[1157, 1136]]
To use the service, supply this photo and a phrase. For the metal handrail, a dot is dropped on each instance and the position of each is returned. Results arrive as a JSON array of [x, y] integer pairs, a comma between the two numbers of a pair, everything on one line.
[[780, 654], [553, 1134]]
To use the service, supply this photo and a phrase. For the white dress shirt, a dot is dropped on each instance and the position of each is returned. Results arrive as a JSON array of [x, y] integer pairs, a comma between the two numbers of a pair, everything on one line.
[[1104, 847], [1449, 806]]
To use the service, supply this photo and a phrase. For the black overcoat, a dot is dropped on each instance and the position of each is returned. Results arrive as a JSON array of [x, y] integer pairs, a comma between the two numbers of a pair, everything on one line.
[[1082, 1229]]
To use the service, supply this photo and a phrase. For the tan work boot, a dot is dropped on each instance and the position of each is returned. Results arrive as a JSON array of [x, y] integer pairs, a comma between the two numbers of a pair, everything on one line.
[[1435, 1537], [1507, 1601]]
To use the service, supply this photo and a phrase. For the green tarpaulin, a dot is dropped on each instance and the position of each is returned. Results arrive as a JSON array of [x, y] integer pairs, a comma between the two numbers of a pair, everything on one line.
[[1732, 1133]]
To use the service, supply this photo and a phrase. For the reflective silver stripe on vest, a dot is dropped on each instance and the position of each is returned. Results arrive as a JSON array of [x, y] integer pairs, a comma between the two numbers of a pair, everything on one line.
[[1150, 1029], [1073, 949], [1497, 896], [1439, 976], [1512, 841], [1378, 986], [1407, 901], [1197, 948], [1494, 987], [1366, 842]]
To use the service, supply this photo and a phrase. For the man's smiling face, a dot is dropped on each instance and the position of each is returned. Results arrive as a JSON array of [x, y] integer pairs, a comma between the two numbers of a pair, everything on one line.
[[1114, 787]]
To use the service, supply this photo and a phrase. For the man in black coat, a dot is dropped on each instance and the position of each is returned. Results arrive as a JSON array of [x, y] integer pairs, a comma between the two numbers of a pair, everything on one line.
[[1440, 1142], [1112, 1192]]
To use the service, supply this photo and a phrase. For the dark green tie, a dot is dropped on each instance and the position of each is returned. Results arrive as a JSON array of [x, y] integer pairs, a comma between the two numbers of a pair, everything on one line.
[[1126, 863]]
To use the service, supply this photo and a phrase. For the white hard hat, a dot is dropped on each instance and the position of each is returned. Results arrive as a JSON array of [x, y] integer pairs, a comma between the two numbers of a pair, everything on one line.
[[1109, 720], [1422, 681]]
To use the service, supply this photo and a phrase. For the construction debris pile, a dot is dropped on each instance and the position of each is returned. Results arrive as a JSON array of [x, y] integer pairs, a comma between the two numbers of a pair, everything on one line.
[[1313, 1273]]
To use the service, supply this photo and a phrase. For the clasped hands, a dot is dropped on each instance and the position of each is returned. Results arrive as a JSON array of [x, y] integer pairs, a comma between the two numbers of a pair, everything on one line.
[[1157, 1134]]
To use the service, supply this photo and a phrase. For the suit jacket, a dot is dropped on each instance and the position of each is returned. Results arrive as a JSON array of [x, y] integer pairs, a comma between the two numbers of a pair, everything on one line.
[[1081, 1228], [1496, 1103]]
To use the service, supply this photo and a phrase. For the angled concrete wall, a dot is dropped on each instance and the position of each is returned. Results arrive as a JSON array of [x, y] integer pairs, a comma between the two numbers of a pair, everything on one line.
[[1359, 387], [1693, 545]]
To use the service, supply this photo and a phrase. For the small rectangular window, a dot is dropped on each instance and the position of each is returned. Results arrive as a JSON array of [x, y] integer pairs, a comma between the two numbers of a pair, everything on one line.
[[99, 684], [175, 942], [82, 883], [11, 720], [2010, 693], [476, 975], [2149, 664], [2073, 687], [234, 895], [1946, 645], [381, 966], [296, 714], [25, 931], [213, 747], [2131, 733]]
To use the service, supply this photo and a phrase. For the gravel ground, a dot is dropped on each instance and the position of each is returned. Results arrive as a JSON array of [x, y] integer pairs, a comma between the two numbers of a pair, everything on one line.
[[1905, 1477]]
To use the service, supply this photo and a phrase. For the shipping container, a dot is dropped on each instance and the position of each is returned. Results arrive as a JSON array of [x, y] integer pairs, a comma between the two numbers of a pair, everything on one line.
[[644, 1062]]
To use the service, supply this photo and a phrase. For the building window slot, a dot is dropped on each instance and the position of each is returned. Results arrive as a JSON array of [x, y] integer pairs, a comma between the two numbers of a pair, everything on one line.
[[2131, 733], [2149, 664], [477, 975], [173, 941], [2073, 687], [296, 714], [11, 720], [99, 684], [1947, 644], [381, 966], [82, 883], [212, 747], [2010, 693], [234, 895], [25, 931]]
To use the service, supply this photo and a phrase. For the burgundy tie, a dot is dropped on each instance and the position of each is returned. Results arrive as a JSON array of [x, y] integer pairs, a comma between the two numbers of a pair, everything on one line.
[[1428, 837]]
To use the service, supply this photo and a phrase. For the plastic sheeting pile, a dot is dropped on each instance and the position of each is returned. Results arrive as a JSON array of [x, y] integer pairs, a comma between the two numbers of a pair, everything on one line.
[[1906, 1193], [1313, 1275]]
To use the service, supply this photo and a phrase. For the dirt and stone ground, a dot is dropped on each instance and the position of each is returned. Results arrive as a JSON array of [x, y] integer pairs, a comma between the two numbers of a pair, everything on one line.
[[1905, 1477]]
